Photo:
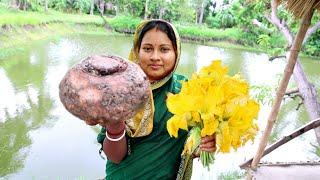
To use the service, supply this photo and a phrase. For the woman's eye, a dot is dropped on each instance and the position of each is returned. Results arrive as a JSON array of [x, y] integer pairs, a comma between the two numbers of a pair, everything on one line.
[[165, 49], [147, 49]]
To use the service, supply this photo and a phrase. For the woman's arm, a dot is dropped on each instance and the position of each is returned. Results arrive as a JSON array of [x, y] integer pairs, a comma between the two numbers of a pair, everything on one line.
[[115, 150]]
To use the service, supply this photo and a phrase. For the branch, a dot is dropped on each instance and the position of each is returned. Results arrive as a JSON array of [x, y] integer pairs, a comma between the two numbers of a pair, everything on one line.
[[106, 24], [280, 24], [276, 57], [262, 26], [313, 124], [311, 30], [300, 103], [292, 91]]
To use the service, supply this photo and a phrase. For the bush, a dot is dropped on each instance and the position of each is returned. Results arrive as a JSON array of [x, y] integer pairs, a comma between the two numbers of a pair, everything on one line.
[[212, 22], [223, 19], [59, 5], [82, 5], [233, 34], [312, 46], [125, 23]]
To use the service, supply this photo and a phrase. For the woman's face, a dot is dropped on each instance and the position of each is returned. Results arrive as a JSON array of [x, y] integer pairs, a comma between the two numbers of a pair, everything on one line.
[[156, 54]]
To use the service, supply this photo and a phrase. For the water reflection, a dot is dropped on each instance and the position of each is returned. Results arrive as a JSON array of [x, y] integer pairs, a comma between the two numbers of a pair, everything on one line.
[[40, 139], [25, 106]]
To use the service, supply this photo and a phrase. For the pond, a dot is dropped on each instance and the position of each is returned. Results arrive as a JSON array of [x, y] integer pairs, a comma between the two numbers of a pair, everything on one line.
[[39, 139]]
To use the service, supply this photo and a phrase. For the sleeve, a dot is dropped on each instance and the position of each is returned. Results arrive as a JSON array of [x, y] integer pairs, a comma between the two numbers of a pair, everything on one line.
[[101, 136], [177, 83]]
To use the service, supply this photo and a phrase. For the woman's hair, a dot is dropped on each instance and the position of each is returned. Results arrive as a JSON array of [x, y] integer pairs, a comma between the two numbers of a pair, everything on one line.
[[159, 25]]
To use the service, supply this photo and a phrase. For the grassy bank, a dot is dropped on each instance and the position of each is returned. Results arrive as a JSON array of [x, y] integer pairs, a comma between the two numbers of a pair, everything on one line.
[[226, 38], [18, 28], [15, 17]]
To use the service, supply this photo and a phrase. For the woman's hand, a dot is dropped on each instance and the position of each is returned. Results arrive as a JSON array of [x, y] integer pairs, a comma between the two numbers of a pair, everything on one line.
[[114, 128], [115, 144], [208, 143]]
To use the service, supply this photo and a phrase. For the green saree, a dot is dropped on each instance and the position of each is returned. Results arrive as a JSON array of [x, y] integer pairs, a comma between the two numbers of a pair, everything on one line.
[[157, 155]]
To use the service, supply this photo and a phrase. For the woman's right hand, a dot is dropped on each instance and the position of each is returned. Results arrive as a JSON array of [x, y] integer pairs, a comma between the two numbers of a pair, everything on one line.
[[115, 145], [114, 127]]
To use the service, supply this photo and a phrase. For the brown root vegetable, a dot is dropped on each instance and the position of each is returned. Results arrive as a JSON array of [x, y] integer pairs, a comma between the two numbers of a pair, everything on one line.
[[104, 89]]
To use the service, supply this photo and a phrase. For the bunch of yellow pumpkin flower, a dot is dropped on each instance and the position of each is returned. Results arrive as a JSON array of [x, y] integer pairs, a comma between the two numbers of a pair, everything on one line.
[[212, 102]]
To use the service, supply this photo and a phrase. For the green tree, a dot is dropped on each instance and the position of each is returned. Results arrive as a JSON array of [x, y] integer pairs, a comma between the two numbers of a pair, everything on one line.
[[59, 5], [81, 6], [200, 7]]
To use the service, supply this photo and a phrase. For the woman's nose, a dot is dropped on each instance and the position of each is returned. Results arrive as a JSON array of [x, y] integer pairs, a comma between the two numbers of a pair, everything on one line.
[[155, 56]]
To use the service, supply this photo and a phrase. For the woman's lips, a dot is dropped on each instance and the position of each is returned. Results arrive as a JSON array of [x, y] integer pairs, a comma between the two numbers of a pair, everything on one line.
[[154, 66]]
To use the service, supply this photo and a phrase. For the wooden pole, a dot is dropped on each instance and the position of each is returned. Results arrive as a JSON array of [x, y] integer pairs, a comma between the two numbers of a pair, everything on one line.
[[313, 124], [294, 51]]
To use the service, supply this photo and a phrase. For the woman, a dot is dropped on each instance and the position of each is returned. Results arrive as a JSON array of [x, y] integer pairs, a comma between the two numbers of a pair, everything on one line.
[[147, 151]]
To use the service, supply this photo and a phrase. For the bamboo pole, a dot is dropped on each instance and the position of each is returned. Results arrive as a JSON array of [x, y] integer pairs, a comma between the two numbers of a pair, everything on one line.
[[294, 51], [311, 125]]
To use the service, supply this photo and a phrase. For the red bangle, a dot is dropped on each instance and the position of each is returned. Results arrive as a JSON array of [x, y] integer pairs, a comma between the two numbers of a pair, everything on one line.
[[112, 133]]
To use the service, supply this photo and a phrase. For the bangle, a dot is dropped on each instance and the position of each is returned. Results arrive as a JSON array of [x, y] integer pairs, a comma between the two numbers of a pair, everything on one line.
[[116, 139]]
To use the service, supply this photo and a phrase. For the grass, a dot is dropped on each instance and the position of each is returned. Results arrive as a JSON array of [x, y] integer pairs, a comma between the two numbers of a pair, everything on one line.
[[232, 175], [18, 28], [316, 149], [203, 32], [13, 17]]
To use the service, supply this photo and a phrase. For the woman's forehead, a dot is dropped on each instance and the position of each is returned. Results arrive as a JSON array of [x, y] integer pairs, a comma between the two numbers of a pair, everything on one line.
[[156, 36]]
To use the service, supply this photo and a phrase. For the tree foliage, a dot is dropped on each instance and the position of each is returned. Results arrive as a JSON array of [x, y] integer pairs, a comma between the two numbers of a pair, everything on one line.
[[238, 14]]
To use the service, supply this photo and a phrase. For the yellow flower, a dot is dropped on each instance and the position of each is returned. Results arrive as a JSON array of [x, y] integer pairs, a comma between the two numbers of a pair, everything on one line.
[[180, 103], [175, 123], [216, 102], [250, 134], [195, 116], [224, 138], [234, 87], [214, 70], [210, 125], [189, 99]]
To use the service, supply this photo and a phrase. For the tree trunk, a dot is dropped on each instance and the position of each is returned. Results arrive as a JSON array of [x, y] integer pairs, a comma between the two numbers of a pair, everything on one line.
[[46, 5], [117, 10], [202, 11], [294, 51], [146, 9], [309, 94], [101, 6], [197, 17], [25, 5], [162, 10], [92, 7], [18, 4]]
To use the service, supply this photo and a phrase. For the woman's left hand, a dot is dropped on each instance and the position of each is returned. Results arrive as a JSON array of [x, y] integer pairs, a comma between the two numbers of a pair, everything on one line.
[[208, 143]]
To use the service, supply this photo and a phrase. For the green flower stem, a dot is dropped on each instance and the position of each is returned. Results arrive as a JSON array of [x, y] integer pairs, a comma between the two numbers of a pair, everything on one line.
[[206, 158]]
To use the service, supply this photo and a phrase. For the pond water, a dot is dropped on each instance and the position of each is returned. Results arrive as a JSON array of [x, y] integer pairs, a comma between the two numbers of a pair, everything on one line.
[[39, 139]]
